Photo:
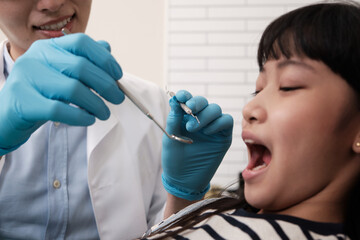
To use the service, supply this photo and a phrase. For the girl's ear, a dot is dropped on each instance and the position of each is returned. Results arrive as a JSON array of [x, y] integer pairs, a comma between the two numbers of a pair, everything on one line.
[[356, 144]]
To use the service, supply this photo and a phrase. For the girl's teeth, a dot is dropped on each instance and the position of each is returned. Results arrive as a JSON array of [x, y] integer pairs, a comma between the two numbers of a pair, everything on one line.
[[259, 167], [56, 26]]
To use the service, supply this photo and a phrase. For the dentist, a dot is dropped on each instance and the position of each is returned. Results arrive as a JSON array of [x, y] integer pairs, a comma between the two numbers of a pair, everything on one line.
[[78, 159], [66, 173]]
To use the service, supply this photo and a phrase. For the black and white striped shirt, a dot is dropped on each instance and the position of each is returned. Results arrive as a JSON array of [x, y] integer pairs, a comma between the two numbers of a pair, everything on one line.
[[239, 224]]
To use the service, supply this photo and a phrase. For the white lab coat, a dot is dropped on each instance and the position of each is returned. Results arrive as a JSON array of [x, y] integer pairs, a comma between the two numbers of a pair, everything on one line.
[[124, 162]]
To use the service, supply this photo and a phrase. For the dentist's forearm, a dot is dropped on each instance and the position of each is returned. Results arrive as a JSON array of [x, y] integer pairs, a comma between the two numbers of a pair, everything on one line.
[[175, 204]]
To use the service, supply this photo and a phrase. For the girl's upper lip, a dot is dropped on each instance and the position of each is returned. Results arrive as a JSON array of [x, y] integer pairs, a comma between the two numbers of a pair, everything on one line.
[[55, 20], [250, 138]]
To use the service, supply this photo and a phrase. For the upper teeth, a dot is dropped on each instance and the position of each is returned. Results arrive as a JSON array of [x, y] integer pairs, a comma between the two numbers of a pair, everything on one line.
[[249, 141], [56, 26]]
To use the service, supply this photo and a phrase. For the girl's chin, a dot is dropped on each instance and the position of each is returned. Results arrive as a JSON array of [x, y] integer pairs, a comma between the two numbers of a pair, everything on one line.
[[257, 199]]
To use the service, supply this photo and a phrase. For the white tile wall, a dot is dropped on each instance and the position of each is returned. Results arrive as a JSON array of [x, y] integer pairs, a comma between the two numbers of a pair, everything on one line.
[[212, 47]]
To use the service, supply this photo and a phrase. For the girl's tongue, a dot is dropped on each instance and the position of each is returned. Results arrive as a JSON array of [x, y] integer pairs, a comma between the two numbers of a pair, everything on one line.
[[260, 157]]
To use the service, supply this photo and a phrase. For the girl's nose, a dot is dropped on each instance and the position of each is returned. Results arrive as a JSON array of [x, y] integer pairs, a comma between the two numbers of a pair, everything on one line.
[[254, 111]]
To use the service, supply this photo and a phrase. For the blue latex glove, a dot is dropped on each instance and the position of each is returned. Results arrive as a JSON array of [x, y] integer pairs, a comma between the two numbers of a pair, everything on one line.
[[54, 80], [188, 168]]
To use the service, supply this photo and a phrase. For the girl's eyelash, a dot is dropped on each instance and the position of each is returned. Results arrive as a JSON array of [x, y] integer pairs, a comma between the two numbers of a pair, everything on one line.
[[286, 89], [255, 93]]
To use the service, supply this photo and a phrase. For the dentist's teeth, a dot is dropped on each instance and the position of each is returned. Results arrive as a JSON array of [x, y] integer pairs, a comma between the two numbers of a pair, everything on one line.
[[56, 26]]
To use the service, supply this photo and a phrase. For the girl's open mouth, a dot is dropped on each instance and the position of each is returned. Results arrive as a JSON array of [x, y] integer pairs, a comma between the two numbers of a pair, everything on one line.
[[259, 159]]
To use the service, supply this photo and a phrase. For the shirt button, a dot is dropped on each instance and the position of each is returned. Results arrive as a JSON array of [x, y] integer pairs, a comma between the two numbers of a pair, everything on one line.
[[56, 124], [56, 184]]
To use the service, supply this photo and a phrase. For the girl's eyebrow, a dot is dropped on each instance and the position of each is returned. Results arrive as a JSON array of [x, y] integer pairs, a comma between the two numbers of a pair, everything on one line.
[[288, 62]]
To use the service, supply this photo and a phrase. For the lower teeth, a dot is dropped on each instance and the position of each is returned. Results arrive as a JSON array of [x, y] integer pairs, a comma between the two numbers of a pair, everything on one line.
[[259, 167]]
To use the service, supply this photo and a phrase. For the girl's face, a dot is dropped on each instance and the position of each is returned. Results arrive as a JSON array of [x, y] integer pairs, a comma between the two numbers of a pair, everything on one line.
[[300, 130], [25, 21]]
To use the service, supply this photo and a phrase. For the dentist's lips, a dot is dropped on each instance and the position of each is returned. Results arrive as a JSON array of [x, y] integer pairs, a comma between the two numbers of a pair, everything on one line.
[[259, 159]]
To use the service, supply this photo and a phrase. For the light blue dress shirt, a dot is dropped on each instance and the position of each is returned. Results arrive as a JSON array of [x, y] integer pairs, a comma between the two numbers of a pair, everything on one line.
[[44, 191]]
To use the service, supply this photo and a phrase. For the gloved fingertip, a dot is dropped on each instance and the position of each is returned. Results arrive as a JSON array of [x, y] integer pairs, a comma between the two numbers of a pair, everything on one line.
[[224, 123], [117, 71], [172, 101], [90, 120], [183, 95], [116, 67], [105, 44], [192, 125], [228, 121], [121, 98], [117, 97], [174, 105], [105, 114]]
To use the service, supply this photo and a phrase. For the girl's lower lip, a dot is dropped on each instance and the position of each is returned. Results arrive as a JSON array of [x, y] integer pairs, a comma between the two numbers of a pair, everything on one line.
[[57, 33], [249, 174]]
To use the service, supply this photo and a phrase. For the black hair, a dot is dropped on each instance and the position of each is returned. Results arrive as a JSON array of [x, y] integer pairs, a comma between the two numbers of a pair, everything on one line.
[[327, 32]]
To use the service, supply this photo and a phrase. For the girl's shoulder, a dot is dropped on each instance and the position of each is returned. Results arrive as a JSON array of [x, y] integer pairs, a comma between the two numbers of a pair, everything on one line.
[[240, 224]]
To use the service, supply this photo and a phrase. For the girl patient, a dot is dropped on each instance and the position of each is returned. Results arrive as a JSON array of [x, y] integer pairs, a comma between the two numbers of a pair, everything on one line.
[[302, 131]]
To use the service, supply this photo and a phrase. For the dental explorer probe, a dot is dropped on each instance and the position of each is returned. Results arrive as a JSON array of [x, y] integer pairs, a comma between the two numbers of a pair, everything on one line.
[[184, 107], [147, 113], [65, 31], [142, 108]]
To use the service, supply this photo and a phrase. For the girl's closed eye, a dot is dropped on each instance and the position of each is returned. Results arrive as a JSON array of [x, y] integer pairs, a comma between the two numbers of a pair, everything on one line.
[[287, 89]]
